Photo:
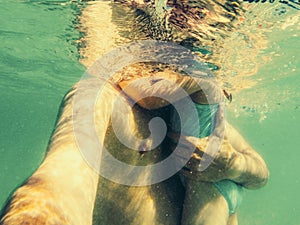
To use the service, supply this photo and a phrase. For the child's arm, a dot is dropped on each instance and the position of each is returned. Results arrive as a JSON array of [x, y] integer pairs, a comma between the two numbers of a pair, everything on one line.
[[164, 88], [236, 160], [253, 171]]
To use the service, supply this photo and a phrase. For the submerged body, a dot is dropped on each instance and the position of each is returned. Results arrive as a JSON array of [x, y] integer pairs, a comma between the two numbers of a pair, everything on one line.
[[212, 196], [65, 187], [66, 190]]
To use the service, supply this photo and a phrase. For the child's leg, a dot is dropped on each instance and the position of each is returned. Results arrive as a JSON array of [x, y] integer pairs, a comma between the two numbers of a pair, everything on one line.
[[233, 219], [204, 205]]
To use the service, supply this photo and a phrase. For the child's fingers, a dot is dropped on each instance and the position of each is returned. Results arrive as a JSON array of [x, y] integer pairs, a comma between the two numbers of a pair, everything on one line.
[[219, 123], [188, 141]]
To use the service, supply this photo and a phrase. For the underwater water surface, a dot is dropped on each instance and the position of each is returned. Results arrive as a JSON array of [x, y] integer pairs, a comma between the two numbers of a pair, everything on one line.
[[39, 62]]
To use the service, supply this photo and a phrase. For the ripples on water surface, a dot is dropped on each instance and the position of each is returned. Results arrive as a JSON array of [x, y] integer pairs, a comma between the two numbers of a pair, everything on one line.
[[258, 60]]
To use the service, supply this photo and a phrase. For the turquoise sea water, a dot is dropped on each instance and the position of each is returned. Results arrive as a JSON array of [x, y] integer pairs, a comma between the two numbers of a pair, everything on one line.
[[39, 63], [270, 121]]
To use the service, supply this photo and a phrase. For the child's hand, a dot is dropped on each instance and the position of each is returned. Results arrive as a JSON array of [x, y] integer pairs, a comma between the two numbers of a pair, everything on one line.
[[221, 167], [212, 156]]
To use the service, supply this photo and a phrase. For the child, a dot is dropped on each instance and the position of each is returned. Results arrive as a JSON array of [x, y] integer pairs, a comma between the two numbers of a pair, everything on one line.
[[212, 196], [213, 203]]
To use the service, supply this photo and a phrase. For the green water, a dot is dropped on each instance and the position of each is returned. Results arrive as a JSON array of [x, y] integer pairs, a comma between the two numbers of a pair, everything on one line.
[[269, 115], [39, 63]]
